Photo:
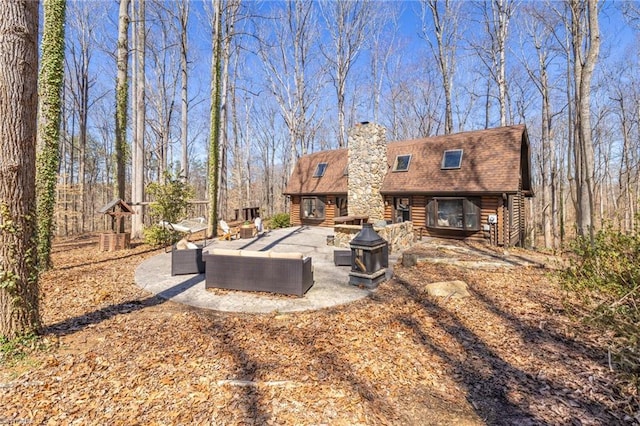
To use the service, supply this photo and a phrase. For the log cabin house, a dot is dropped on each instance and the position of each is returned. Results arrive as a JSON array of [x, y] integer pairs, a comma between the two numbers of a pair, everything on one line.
[[465, 185]]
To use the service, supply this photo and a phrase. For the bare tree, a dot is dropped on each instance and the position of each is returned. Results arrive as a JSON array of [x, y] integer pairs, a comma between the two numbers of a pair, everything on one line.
[[19, 295], [624, 84], [184, 93], [497, 15], [121, 100], [348, 24], [216, 124], [631, 12], [540, 30], [80, 82], [445, 18], [585, 41], [268, 140], [382, 44], [139, 118], [163, 60], [292, 77], [231, 16]]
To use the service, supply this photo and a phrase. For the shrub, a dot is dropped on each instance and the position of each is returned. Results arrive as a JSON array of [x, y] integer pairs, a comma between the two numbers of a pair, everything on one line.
[[158, 235], [605, 272], [171, 203], [606, 269], [279, 220]]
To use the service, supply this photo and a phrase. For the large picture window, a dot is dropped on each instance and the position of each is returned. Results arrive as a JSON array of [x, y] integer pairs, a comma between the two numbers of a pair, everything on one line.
[[312, 208], [454, 213]]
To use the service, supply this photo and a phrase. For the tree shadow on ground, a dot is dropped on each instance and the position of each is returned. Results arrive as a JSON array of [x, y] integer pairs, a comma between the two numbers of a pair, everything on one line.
[[275, 242], [77, 323], [103, 261], [321, 367], [501, 393], [534, 334], [247, 370]]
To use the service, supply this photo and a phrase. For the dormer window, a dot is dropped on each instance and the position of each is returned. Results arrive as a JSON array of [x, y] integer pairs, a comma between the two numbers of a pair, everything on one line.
[[452, 159], [320, 169], [402, 163]]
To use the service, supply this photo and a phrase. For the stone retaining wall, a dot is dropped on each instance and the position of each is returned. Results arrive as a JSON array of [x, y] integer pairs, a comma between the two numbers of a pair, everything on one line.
[[399, 235]]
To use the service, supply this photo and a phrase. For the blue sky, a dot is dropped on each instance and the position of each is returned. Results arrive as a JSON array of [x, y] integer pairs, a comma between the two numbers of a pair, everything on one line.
[[413, 54]]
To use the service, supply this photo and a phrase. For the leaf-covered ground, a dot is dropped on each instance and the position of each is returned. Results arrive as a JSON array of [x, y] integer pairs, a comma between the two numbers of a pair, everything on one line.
[[509, 354]]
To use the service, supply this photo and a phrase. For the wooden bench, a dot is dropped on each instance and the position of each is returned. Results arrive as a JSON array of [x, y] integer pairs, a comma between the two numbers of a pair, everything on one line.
[[350, 220]]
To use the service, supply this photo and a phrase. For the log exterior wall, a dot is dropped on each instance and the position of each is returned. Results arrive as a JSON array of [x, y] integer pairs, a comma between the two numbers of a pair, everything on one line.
[[489, 205], [295, 218], [294, 211], [508, 231]]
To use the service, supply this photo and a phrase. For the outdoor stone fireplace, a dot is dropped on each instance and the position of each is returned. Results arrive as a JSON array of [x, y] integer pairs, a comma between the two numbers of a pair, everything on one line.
[[367, 168]]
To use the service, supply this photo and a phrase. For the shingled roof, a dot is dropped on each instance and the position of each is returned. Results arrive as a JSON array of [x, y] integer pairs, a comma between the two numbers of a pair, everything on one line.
[[493, 161], [334, 180]]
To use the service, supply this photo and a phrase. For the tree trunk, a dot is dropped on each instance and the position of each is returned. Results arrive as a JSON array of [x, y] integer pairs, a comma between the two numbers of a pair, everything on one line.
[[445, 24], [502, 11], [137, 167], [48, 157], [184, 20], [83, 107], [214, 136], [19, 312], [223, 138], [584, 65], [348, 23], [121, 101]]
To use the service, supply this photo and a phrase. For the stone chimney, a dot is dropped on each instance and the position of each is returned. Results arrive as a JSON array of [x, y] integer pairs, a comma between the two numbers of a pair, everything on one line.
[[367, 169]]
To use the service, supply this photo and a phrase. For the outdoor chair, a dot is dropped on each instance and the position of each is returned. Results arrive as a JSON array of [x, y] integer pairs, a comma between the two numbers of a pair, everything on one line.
[[228, 232], [186, 258]]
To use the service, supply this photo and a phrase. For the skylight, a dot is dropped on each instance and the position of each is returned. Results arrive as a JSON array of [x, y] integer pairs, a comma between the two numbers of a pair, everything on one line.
[[402, 163], [452, 159], [320, 169]]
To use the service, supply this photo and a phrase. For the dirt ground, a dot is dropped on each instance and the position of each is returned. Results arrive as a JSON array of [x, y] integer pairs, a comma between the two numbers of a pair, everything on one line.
[[508, 354]]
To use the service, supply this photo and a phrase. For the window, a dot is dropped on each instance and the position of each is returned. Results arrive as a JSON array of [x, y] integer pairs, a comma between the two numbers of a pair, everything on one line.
[[402, 209], [312, 208], [320, 169], [341, 206], [402, 163], [452, 159], [454, 213]]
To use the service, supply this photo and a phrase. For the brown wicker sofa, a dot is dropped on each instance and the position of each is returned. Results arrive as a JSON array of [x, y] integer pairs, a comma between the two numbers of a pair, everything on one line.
[[284, 273]]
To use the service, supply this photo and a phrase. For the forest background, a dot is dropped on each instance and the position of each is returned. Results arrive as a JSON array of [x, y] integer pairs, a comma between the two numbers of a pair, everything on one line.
[[294, 76]]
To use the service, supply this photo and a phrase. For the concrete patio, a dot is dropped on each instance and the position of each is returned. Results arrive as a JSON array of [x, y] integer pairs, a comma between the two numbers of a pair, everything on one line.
[[331, 283]]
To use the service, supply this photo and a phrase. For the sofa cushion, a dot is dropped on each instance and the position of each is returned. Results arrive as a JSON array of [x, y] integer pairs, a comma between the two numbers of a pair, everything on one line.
[[225, 252], [275, 255], [252, 253]]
